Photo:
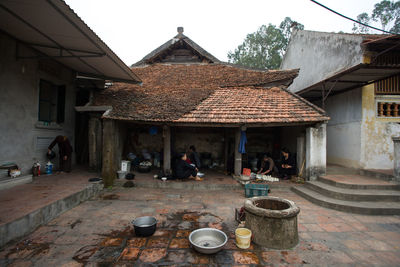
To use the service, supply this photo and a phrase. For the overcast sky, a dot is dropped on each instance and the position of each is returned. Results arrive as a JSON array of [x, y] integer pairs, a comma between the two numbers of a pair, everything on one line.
[[132, 29]]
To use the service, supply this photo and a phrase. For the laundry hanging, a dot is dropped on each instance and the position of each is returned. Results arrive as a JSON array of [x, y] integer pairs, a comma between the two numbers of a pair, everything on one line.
[[242, 143]]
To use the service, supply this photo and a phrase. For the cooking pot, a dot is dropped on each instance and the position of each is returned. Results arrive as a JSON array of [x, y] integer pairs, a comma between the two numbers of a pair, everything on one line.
[[144, 169], [145, 226]]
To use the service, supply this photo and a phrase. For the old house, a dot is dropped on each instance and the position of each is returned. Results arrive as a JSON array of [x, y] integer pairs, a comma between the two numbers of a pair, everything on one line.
[[189, 97], [355, 78], [43, 76]]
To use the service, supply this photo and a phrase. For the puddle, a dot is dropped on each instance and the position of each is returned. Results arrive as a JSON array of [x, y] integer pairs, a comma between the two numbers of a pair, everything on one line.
[[28, 249], [109, 250]]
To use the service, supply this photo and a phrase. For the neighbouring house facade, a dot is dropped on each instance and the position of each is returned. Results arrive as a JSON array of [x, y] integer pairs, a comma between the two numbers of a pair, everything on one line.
[[355, 79], [44, 75], [188, 97]]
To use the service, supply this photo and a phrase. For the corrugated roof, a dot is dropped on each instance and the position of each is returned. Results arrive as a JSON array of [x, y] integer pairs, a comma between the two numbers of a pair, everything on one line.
[[55, 30]]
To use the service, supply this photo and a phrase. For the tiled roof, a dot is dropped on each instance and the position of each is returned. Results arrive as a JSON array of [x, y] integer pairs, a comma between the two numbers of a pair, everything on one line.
[[193, 93], [253, 105]]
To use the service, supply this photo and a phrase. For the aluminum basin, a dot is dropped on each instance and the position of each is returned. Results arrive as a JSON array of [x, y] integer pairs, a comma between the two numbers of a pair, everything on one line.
[[207, 240]]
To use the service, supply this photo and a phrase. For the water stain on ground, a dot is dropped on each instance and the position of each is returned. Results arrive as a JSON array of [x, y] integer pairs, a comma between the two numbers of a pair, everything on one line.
[[28, 249], [110, 250]]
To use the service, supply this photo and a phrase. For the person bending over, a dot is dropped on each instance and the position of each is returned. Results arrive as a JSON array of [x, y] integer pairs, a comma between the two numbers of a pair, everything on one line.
[[184, 170], [65, 151], [267, 165]]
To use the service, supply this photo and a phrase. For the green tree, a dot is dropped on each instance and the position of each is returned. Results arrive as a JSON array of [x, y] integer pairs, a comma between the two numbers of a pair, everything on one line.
[[264, 48], [386, 12], [364, 18]]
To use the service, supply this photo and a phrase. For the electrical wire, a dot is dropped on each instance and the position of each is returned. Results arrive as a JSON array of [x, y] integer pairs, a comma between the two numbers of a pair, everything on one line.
[[356, 21]]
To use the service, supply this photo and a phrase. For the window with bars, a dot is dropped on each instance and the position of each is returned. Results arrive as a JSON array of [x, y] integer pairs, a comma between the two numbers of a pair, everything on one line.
[[51, 102], [388, 109]]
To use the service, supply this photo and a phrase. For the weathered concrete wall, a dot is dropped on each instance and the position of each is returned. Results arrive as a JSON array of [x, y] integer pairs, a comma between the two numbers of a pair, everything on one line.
[[376, 133], [344, 128], [204, 139], [396, 152], [320, 55], [22, 138], [315, 151], [301, 155]]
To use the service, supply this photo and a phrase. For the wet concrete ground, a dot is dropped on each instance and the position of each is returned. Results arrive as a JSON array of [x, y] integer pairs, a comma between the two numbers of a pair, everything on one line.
[[99, 233]]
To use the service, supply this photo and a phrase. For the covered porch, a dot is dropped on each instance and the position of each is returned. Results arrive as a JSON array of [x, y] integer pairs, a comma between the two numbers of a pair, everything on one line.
[[217, 146]]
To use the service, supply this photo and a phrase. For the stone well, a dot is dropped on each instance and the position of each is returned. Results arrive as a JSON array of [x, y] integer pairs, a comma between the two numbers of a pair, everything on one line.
[[273, 221]]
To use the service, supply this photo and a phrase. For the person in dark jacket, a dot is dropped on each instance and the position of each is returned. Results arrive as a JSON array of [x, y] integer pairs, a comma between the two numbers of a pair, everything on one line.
[[194, 156], [65, 151], [184, 170], [288, 164]]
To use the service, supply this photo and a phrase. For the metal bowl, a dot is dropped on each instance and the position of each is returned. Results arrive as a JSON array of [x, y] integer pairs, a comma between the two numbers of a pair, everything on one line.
[[207, 240], [145, 226]]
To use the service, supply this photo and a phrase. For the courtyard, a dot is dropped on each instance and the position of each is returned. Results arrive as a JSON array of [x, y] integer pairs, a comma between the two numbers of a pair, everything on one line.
[[98, 232]]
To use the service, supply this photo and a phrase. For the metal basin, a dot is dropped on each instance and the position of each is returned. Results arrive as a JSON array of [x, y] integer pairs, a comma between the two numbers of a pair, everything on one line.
[[207, 240]]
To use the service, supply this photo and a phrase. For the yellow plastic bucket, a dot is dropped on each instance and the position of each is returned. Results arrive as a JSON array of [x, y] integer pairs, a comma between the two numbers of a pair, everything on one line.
[[243, 237]]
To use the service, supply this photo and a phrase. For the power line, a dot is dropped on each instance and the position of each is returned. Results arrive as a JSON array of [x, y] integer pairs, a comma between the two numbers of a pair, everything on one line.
[[356, 21]]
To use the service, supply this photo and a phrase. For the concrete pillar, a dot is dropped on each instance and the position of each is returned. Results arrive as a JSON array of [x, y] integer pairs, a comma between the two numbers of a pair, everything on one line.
[[167, 148], [301, 152], [396, 158], [95, 138], [109, 169], [238, 156], [315, 151]]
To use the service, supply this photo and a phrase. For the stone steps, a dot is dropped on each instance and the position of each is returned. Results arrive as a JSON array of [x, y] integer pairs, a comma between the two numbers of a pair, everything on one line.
[[360, 207], [353, 194], [380, 186]]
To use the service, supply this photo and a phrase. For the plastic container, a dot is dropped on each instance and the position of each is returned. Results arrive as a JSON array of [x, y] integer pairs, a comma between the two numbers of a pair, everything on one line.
[[121, 174], [125, 165], [243, 238], [256, 190], [49, 168]]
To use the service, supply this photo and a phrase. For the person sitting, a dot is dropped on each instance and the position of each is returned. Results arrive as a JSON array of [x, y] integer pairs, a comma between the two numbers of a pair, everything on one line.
[[288, 166], [267, 165], [194, 156], [184, 170]]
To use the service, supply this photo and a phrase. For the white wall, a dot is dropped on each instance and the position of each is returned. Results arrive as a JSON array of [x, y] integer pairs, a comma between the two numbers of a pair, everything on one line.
[[320, 55], [19, 97], [376, 133], [344, 128]]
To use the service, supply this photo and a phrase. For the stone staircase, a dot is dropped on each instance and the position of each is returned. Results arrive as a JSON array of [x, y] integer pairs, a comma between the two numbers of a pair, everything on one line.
[[354, 193]]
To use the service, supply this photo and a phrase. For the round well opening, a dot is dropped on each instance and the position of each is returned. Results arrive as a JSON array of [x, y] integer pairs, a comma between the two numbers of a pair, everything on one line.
[[271, 204]]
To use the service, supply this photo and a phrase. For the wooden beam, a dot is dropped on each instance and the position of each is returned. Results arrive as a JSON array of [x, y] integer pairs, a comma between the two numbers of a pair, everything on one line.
[[238, 156], [226, 156], [109, 170], [95, 141], [167, 148]]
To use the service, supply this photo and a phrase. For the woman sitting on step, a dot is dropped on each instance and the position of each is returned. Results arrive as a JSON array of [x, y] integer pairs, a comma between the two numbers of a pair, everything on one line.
[[184, 170]]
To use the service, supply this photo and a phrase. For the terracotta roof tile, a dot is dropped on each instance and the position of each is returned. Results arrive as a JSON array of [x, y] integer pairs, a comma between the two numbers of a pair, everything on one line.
[[207, 93], [253, 105]]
